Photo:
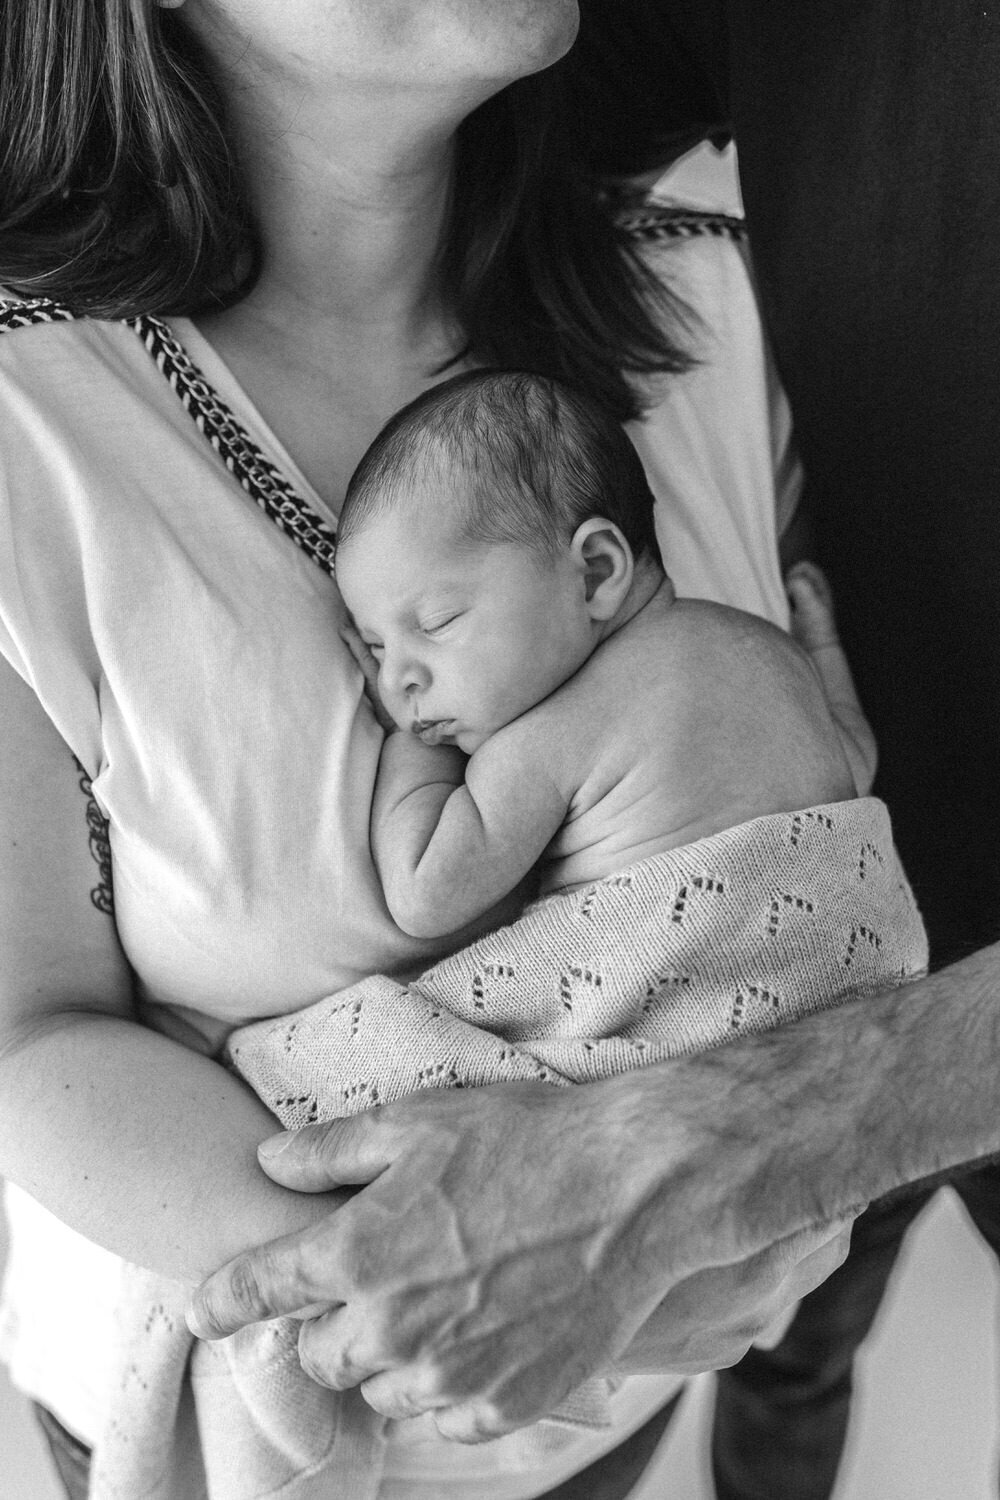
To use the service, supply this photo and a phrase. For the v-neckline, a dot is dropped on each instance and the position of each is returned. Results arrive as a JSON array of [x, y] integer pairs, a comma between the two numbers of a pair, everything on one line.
[[308, 525], [230, 389]]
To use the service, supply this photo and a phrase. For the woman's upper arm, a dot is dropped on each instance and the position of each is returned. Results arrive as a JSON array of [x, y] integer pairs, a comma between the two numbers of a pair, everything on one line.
[[58, 937]]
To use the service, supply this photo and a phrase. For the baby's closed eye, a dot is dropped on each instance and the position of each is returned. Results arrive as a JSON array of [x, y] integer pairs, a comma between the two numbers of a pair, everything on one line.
[[438, 623]]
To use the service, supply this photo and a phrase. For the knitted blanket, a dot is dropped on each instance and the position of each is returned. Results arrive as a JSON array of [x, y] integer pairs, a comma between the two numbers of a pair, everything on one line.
[[738, 933]]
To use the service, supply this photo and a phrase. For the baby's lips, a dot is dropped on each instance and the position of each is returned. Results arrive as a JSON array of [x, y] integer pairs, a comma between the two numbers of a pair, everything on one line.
[[431, 731]]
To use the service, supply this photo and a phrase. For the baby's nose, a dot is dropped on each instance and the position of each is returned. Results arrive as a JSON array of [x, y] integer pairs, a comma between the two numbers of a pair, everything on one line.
[[404, 676]]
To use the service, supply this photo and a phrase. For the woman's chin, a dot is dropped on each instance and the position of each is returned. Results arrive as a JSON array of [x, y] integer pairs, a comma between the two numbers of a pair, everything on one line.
[[559, 21], [527, 36]]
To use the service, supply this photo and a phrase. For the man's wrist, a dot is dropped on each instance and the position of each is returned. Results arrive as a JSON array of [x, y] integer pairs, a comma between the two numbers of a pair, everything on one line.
[[742, 1145], [748, 1143]]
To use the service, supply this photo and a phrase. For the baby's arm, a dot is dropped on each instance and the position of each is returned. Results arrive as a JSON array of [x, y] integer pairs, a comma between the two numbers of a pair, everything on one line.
[[451, 838], [815, 629]]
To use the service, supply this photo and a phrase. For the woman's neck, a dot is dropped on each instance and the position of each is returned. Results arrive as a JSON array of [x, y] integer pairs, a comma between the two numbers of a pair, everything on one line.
[[349, 185], [348, 235]]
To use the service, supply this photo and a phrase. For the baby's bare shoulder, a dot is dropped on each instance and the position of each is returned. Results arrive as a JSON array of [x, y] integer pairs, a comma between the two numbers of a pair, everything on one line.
[[544, 741], [701, 679], [670, 644], [678, 673], [749, 703], [577, 727], [611, 713], [690, 640]]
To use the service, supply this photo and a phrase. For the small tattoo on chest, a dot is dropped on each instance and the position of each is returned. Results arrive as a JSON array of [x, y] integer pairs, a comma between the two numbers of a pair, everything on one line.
[[102, 894]]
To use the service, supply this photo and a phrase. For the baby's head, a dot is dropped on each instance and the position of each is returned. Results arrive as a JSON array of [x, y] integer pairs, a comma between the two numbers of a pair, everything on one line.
[[491, 538]]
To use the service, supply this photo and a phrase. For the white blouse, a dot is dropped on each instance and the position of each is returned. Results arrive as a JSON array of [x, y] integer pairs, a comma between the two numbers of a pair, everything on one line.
[[188, 653]]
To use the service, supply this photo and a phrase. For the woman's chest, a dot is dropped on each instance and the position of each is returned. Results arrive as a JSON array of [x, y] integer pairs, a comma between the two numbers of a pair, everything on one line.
[[236, 763], [327, 387]]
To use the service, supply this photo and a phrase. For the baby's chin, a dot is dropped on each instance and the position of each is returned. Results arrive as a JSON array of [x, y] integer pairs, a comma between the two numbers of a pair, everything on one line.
[[470, 737]]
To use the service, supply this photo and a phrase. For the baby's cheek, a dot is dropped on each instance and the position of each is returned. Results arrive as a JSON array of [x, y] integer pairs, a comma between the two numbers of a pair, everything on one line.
[[470, 741], [396, 707]]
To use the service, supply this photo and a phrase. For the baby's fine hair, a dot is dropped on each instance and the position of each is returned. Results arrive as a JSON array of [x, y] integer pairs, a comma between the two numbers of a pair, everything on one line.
[[540, 458]]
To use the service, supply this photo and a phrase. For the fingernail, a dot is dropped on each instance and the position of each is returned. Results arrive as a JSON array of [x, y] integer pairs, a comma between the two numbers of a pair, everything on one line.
[[275, 1144], [196, 1324]]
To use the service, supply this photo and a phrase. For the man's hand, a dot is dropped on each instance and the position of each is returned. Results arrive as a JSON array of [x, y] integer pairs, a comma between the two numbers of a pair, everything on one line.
[[709, 1320], [814, 626], [499, 1255]]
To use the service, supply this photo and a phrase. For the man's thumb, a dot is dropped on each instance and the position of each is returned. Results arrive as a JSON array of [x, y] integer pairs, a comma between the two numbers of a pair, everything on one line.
[[317, 1158]]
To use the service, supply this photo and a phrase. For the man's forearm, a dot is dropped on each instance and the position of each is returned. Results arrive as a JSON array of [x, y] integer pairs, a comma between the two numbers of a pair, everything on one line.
[[143, 1146], [752, 1141]]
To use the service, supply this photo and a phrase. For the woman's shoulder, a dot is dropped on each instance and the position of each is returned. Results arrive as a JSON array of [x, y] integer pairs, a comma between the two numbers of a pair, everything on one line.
[[703, 257], [19, 314], [696, 203], [697, 197], [43, 342], [715, 440], [652, 223], [28, 312], [688, 228], [73, 386]]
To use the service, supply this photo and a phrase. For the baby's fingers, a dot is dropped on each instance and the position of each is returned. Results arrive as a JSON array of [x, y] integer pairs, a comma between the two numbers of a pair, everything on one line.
[[362, 654], [368, 667]]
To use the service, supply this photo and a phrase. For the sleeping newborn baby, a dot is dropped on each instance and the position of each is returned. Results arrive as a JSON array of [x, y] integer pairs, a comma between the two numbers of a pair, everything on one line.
[[671, 766], [498, 555]]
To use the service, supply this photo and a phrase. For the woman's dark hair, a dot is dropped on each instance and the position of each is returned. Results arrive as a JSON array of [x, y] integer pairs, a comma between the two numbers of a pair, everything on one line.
[[536, 459], [120, 194], [118, 191]]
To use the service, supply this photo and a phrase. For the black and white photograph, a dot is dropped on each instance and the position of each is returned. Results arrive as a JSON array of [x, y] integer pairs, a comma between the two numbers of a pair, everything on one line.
[[499, 750]]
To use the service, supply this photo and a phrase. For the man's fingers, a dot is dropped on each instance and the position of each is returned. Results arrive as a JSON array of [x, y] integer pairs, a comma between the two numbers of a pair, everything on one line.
[[809, 580], [266, 1282], [471, 1424], [317, 1158], [396, 1395], [814, 1268], [328, 1356], [400, 1395], [814, 625]]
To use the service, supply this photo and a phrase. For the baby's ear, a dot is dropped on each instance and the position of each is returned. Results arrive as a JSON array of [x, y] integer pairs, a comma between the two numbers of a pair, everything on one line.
[[606, 564]]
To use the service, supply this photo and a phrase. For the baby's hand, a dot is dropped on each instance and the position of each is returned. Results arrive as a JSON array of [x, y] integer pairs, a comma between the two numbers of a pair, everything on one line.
[[369, 670], [815, 628]]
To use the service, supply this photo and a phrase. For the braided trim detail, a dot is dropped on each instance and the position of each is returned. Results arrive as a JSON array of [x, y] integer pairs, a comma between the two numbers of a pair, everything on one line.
[[259, 478], [262, 481], [648, 222], [37, 310]]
